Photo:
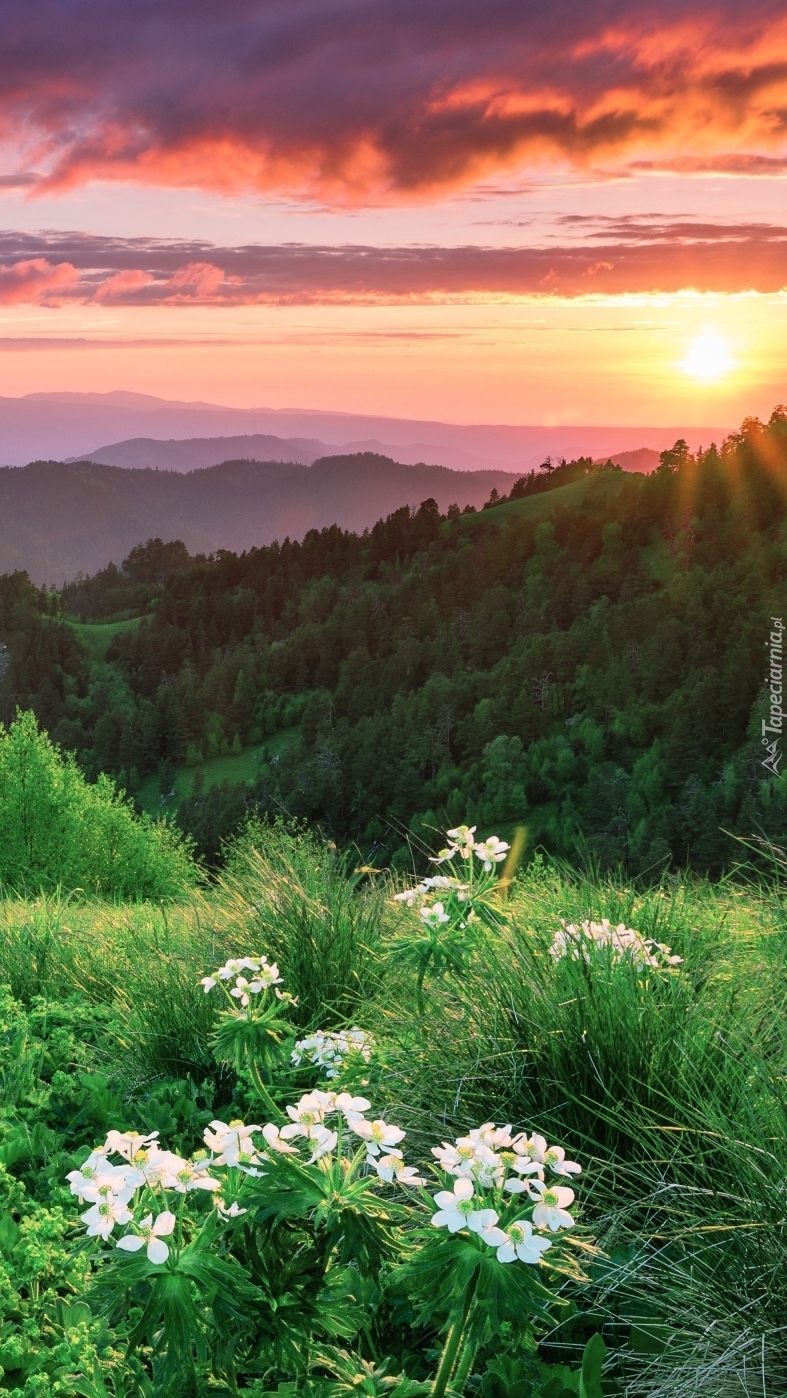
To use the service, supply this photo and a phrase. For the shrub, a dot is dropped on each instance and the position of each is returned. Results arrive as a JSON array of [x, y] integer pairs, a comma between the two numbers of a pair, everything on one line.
[[58, 830]]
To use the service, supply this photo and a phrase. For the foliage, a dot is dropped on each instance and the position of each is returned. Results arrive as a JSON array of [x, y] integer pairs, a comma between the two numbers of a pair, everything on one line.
[[584, 660], [58, 830]]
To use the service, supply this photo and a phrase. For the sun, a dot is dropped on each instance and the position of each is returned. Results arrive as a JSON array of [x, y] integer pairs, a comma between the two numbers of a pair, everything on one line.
[[707, 357]]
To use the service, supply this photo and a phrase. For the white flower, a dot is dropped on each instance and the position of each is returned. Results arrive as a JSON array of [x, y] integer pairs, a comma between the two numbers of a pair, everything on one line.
[[533, 1146], [521, 1242], [103, 1216], [528, 1187], [457, 1159], [161, 1168], [462, 838], [456, 1209], [620, 943], [435, 915], [550, 1211], [97, 1171], [308, 1114], [495, 1137], [391, 1167], [193, 1175], [233, 1145], [229, 1211], [375, 1133], [274, 1140], [208, 982], [329, 1050], [351, 1106], [150, 1235], [322, 1142], [491, 851], [128, 1143], [555, 1158]]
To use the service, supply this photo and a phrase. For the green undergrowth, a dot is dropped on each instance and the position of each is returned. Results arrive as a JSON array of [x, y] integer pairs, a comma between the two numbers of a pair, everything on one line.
[[671, 1090]]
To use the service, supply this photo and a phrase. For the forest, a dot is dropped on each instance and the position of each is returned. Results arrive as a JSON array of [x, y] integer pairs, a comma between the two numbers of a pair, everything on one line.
[[585, 657]]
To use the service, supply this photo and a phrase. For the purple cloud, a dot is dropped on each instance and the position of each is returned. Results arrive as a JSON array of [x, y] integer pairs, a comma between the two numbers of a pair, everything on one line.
[[368, 99]]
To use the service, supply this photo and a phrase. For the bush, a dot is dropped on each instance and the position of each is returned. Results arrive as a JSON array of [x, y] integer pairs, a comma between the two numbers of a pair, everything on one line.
[[58, 830]]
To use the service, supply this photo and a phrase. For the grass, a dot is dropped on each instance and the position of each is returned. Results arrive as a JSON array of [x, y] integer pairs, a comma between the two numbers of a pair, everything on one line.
[[231, 767], [96, 636], [672, 1090], [539, 506]]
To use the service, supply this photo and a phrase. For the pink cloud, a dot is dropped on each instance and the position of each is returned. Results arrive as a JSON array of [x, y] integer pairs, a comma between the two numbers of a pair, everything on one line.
[[35, 281]]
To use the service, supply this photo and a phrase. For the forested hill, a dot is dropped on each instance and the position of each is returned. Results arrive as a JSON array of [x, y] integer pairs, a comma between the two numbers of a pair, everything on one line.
[[588, 660], [58, 519]]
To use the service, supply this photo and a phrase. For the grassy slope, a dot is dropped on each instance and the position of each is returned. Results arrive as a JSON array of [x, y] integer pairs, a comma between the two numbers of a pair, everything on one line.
[[539, 506], [233, 768], [97, 636]]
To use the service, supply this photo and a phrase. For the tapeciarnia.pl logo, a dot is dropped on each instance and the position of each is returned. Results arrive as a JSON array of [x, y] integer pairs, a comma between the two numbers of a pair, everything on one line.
[[775, 722]]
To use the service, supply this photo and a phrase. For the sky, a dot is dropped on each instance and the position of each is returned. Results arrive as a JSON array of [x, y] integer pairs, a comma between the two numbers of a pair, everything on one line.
[[509, 212]]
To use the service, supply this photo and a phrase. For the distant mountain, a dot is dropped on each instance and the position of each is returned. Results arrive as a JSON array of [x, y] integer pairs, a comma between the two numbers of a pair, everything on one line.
[[197, 453], [58, 519], [70, 425], [644, 460]]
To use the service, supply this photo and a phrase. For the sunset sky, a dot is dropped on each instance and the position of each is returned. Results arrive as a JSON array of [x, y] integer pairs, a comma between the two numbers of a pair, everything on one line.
[[508, 211]]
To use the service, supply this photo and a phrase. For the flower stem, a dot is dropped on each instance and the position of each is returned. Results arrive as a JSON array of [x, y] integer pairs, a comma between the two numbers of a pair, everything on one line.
[[454, 1340], [276, 1114]]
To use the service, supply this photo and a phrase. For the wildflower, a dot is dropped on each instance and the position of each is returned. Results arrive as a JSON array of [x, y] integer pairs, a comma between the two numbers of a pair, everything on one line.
[[150, 1235], [456, 1209], [620, 943], [555, 1158], [161, 1167], [322, 1141], [495, 1137], [233, 1145], [308, 1114], [95, 1172], [435, 915], [229, 1211], [193, 1175], [457, 1159], [392, 1167], [521, 1242], [274, 1140], [104, 1214], [328, 1050], [208, 982], [128, 1143], [491, 852], [462, 839], [374, 1133], [351, 1106], [550, 1211]]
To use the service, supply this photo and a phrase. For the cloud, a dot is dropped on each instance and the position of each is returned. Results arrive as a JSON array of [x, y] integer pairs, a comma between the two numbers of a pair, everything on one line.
[[598, 256], [35, 281], [364, 100]]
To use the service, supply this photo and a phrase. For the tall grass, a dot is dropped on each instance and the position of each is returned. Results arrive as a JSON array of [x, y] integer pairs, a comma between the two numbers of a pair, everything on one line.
[[672, 1089]]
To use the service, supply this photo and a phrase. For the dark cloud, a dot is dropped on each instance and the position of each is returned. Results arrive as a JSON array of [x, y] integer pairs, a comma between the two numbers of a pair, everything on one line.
[[621, 256], [359, 99]]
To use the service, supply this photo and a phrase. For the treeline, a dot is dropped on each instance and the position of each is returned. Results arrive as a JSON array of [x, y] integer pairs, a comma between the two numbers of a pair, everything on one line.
[[591, 665]]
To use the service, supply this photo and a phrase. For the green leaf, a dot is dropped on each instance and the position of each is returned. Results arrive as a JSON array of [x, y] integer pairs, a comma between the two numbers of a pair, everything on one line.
[[592, 1359]]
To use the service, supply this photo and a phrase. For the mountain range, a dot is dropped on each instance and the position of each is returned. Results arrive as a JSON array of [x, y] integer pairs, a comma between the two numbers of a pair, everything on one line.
[[196, 453], [58, 519], [59, 426]]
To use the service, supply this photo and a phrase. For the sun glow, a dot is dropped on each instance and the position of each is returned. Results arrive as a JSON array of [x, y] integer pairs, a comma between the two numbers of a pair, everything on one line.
[[707, 357]]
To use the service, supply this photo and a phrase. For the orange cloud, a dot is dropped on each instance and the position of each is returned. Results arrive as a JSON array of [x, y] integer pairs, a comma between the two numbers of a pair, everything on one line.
[[374, 102]]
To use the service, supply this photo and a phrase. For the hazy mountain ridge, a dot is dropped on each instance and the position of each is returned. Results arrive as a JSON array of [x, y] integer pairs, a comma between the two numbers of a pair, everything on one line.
[[58, 519], [54, 426]]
